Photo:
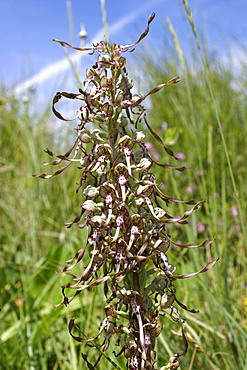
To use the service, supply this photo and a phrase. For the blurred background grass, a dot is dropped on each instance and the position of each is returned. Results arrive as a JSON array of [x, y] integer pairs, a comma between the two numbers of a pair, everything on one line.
[[203, 119]]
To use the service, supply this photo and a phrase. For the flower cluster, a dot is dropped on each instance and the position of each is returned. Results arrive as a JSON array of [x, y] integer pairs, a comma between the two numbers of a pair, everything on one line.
[[124, 211]]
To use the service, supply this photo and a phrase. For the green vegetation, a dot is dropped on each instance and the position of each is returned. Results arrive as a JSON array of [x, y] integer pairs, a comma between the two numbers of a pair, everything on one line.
[[204, 119]]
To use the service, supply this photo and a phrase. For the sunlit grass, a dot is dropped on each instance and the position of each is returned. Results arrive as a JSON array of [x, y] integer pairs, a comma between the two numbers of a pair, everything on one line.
[[205, 119], [205, 122]]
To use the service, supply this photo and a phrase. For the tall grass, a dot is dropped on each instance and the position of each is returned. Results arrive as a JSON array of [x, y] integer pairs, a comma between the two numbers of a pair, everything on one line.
[[205, 119]]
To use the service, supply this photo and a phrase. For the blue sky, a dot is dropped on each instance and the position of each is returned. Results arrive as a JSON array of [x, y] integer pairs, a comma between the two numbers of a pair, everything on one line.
[[27, 28]]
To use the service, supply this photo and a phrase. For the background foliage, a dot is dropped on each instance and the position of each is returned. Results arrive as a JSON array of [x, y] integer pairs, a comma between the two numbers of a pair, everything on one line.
[[204, 120]]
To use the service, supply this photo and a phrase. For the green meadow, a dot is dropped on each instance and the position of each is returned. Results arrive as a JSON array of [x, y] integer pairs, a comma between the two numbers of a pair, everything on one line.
[[203, 120]]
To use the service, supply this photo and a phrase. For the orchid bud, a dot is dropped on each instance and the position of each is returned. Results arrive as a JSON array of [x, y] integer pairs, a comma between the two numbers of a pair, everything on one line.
[[146, 190], [167, 300], [105, 189], [121, 170], [91, 191], [102, 150], [143, 165], [97, 221], [85, 136], [91, 206], [156, 330], [139, 136], [162, 245], [126, 142]]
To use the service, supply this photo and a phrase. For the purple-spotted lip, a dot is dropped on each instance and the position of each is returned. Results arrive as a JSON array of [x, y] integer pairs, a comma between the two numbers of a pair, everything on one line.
[[122, 180]]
